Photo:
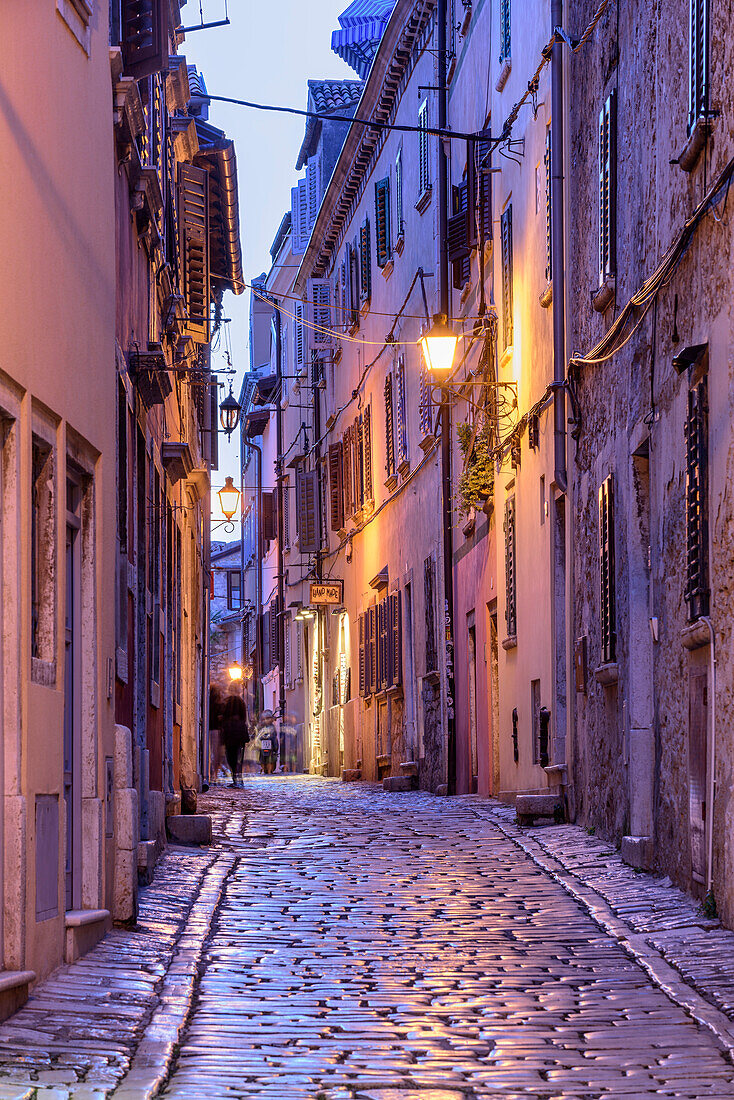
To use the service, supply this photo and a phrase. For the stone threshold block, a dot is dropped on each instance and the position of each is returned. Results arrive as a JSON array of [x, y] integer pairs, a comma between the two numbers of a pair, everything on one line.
[[189, 828], [14, 990], [637, 851], [530, 806], [146, 861], [397, 783], [84, 929], [351, 775]]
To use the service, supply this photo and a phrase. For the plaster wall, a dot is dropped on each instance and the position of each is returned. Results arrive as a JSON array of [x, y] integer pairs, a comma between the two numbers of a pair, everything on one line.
[[57, 334]]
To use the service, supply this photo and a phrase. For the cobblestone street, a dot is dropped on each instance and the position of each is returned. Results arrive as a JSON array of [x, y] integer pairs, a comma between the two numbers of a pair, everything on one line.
[[344, 943]]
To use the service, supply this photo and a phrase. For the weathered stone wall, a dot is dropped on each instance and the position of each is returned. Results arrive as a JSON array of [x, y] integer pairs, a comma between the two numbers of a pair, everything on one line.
[[633, 409]]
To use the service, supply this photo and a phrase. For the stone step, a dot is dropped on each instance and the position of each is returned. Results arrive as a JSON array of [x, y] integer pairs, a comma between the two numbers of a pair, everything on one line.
[[530, 806]]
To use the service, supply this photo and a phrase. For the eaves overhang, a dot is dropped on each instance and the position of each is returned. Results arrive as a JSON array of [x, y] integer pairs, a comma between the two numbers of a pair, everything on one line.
[[378, 99], [224, 215]]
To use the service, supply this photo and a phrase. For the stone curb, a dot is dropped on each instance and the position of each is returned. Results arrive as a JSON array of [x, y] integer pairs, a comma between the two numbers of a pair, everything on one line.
[[635, 944], [152, 1060]]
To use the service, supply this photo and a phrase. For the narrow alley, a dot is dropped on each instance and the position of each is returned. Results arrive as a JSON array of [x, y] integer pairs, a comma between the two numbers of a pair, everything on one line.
[[340, 942]]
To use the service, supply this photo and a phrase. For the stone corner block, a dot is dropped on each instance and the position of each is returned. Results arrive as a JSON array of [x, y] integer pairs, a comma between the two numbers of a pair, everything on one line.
[[638, 851], [530, 806], [123, 765], [397, 783], [189, 828]]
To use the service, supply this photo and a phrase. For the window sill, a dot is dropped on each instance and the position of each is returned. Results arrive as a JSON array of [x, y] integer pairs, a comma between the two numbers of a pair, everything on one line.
[[391, 482], [155, 694], [546, 297], [469, 524], [121, 666], [364, 307], [466, 291], [503, 74], [423, 199], [427, 442], [432, 677], [400, 244], [694, 146], [695, 635], [604, 296], [387, 270], [404, 469], [607, 674], [506, 356], [177, 714], [510, 642]]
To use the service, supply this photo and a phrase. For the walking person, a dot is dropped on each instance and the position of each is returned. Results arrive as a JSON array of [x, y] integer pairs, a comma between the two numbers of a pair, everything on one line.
[[267, 739], [235, 735], [215, 732]]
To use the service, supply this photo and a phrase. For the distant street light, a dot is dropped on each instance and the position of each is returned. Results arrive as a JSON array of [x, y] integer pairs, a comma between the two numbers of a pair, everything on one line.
[[235, 671], [439, 346], [229, 496], [229, 412]]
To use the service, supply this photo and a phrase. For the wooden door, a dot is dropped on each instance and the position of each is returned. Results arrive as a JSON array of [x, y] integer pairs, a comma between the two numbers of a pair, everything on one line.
[[697, 769]]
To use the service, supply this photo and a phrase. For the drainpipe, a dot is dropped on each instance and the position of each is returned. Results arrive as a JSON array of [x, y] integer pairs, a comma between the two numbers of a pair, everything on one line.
[[256, 672], [443, 280], [557, 258], [711, 756], [279, 492]]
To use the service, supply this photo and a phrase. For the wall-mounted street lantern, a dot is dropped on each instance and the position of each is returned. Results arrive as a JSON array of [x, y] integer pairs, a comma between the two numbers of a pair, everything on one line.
[[229, 496], [235, 671], [439, 346], [229, 412]]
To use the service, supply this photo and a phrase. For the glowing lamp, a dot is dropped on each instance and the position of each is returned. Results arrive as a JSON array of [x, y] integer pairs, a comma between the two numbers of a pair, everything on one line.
[[235, 671], [439, 346], [229, 496]]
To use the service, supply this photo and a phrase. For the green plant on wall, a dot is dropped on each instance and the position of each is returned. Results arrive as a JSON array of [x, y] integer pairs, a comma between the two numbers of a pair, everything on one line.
[[476, 483]]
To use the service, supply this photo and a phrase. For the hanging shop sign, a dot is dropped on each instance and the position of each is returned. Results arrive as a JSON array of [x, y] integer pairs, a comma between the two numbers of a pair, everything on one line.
[[327, 592]]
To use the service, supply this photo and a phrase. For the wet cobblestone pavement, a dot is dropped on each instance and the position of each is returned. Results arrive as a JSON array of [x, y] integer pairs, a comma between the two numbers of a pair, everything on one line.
[[341, 943], [398, 946]]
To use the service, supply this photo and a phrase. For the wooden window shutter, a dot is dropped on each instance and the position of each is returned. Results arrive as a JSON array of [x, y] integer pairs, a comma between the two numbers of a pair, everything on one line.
[[372, 650], [362, 662], [510, 569], [286, 515], [395, 676], [268, 519], [365, 262], [266, 636], [483, 178], [697, 537], [507, 278], [425, 405], [367, 452], [424, 176], [401, 424], [348, 472], [548, 210], [299, 651], [355, 282], [505, 39], [383, 647], [458, 236], [336, 485], [274, 654], [313, 185], [429, 573], [193, 194], [144, 37], [607, 572], [308, 517], [607, 187], [400, 227], [358, 464], [287, 661], [382, 221], [298, 337], [389, 428], [319, 300], [698, 61]]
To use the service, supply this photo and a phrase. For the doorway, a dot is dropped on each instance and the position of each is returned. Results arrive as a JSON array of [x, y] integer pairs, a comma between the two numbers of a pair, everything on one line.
[[474, 773], [72, 697]]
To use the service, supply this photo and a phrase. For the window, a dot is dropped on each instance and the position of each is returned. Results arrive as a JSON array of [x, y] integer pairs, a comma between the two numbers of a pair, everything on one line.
[[77, 15], [193, 209], [308, 511], [365, 262], [287, 658], [143, 35], [483, 177], [697, 549], [548, 211], [366, 436], [424, 176], [401, 426], [299, 352], [286, 515], [43, 552], [505, 43], [607, 188], [383, 247], [699, 65], [606, 572], [336, 485], [510, 569], [313, 187], [425, 403], [459, 236], [507, 277], [234, 590], [400, 228], [389, 428]]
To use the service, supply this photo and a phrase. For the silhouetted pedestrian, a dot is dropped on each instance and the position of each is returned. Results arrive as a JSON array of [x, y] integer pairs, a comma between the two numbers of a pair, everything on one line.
[[235, 735]]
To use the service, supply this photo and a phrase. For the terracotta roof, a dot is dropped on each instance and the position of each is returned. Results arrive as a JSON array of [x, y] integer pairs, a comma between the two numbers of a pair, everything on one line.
[[334, 95]]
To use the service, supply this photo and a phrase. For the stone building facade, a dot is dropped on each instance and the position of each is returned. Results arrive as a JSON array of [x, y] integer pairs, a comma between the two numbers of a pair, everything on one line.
[[652, 334]]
